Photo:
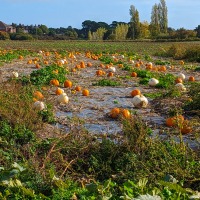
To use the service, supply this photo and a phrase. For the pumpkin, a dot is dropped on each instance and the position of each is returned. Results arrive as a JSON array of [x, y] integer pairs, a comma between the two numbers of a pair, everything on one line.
[[125, 113], [173, 121], [191, 78], [21, 57], [38, 95], [181, 75], [37, 65], [186, 127], [137, 64], [39, 105], [85, 92], [78, 88], [135, 92], [59, 91], [110, 74], [180, 87], [15, 74], [114, 113], [29, 62], [112, 69], [134, 74], [178, 80], [54, 82], [67, 84], [140, 101], [82, 64], [153, 82], [89, 64], [63, 98], [99, 72]]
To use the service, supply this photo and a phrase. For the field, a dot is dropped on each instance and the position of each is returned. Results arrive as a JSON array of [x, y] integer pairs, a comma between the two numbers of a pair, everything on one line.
[[99, 120]]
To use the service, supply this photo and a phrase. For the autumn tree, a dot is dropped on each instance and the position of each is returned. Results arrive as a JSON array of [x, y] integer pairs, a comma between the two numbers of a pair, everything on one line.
[[144, 30], [98, 35], [121, 31], [134, 32]]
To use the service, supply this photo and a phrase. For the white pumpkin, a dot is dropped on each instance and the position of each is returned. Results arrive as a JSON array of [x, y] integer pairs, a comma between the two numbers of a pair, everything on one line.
[[62, 62], [153, 81], [63, 98], [181, 75], [39, 105], [180, 87], [112, 69], [140, 101], [15, 74]]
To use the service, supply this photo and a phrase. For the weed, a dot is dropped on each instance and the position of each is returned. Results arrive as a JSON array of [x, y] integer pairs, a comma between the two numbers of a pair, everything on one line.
[[106, 82]]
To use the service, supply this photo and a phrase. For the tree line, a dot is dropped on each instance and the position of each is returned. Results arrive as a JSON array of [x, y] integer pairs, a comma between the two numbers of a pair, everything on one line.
[[91, 30]]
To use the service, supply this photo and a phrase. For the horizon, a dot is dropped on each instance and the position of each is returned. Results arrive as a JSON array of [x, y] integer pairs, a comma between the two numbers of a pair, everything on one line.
[[181, 14]]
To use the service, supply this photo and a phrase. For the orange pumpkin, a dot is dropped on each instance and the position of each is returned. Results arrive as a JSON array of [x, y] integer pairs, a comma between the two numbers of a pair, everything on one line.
[[89, 64], [125, 113], [173, 121], [134, 74], [78, 88], [67, 84], [37, 65], [38, 95], [85, 92], [191, 78], [59, 91], [135, 92], [21, 57], [54, 82], [178, 80], [99, 72], [110, 74], [114, 113], [186, 127]]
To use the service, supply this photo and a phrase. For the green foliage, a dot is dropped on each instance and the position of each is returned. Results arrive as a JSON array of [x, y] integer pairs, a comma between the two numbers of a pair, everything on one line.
[[106, 82], [44, 75], [21, 36], [193, 104], [10, 55]]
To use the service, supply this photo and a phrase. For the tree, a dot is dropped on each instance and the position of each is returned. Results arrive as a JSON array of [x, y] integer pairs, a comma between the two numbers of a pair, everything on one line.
[[155, 21], [134, 23], [144, 30], [98, 35], [4, 36], [163, 19], [197, 29], [44, 29], [121, 31]]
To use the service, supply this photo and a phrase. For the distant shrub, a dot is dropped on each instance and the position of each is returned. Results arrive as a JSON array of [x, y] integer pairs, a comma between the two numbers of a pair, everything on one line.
[[21, 36], [4, 36]]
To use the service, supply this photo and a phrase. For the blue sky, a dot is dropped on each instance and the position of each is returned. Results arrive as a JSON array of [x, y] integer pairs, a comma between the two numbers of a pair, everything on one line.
[[64, 13]]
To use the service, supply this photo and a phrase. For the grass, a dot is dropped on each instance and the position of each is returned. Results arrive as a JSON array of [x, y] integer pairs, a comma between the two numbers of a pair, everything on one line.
[[106, 82]]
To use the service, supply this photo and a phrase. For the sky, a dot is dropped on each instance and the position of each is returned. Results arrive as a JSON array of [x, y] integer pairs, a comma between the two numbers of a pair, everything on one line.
[[64, 13]]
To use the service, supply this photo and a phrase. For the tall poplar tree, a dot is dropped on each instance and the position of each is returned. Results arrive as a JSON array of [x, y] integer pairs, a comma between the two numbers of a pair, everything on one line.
[[163, 17], [155, 21], [134, 23]]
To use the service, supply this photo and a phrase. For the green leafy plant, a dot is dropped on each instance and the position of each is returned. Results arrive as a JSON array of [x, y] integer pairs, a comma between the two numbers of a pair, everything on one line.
[[106, 82]]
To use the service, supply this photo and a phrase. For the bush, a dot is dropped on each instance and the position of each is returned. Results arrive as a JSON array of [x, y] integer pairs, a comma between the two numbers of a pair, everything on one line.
[[4, 36], [21, 36]]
